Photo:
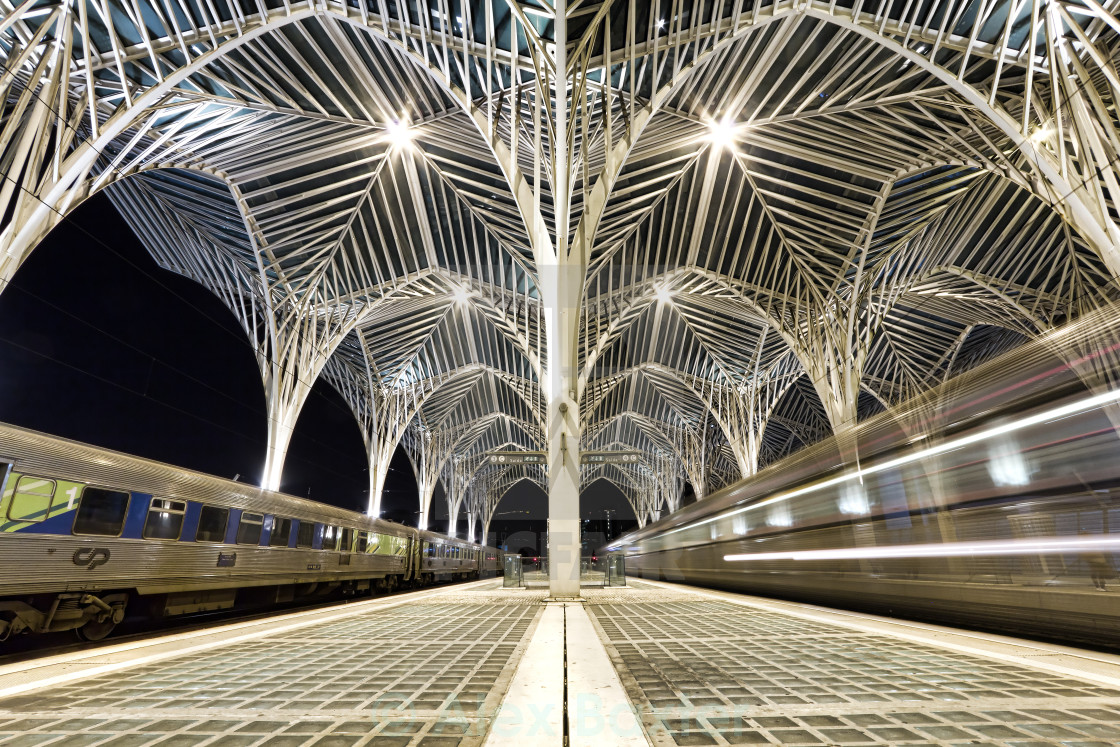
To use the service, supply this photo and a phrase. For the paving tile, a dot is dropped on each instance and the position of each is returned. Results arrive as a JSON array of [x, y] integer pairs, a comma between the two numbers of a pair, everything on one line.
[[423, 673], [706, 671]]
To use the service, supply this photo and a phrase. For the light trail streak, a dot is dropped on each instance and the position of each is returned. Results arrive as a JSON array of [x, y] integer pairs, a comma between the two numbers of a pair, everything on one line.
[[1034, 546], [1072, 408]]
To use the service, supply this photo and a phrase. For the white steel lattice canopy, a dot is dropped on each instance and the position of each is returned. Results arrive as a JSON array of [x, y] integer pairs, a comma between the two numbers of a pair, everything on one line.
[[712, 231]]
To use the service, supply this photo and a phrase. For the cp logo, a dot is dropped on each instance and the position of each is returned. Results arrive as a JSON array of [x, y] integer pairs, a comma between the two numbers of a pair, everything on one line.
[[91, 557]]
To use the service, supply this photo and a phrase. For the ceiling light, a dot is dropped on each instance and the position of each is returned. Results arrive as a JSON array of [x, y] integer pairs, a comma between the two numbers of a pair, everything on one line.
[[400, 135], [460, 295], [722, 132]]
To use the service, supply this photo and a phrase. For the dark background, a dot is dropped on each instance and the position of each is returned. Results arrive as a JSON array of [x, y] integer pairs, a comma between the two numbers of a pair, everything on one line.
[[98, 344]]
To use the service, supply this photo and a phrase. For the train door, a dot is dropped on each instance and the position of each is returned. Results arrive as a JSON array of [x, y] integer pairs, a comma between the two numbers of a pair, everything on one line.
[[410, 558], [346, 546], [419, 549]]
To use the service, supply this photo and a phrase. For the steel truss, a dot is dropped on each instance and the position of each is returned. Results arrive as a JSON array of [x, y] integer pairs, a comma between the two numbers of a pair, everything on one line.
[[712, 232]]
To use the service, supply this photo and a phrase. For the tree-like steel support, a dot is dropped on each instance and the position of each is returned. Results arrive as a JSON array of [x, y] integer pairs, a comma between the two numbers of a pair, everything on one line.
[[437, 227]]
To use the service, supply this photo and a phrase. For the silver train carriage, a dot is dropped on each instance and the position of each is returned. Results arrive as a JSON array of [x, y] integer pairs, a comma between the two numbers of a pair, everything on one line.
[[990, 502], [85, 533]]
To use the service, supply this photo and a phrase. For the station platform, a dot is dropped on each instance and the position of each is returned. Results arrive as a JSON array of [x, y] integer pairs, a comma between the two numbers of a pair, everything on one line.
[[648, 664]]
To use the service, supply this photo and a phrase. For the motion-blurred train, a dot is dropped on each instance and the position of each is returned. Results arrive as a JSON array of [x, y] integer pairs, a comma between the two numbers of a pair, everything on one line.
[[989, 502], [86, 533]]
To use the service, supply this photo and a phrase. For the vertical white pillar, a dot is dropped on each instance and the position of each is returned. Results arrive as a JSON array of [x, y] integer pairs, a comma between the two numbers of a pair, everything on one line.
[[452, 517], [562, 294], [377, 471], [426, 492], [282, 417], [564, 285]]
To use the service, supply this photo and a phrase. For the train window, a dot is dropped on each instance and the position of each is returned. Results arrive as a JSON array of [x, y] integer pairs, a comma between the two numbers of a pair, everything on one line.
[[363, 542], [330, 537], [165, 519], [249, 529], [305, 533], [281, 532], [5, 470], [347, 544], [212, 523], [101, 511], [32, 499]]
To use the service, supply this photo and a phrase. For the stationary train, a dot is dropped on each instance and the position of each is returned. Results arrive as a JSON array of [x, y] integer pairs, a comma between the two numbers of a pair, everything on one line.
[[991, 502], [87, 534]]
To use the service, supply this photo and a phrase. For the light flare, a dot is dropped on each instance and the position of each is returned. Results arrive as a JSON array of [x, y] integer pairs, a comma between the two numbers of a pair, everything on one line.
[[722, 132], [399, 133]]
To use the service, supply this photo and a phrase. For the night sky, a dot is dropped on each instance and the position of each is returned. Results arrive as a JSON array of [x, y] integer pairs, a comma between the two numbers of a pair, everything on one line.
[[100, 345]]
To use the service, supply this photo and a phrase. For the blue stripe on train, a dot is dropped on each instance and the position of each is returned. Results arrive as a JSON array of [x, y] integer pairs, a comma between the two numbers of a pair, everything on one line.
[[232, 525], [137, 515], [190, 521], [58, 524]]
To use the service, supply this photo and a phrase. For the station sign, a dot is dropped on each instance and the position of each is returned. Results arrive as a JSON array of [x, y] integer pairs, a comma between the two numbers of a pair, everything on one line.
[[516, 457], [610, 457]]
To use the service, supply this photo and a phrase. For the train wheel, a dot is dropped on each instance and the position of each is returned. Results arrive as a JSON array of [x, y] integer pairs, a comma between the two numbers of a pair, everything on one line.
[[95, 631]]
